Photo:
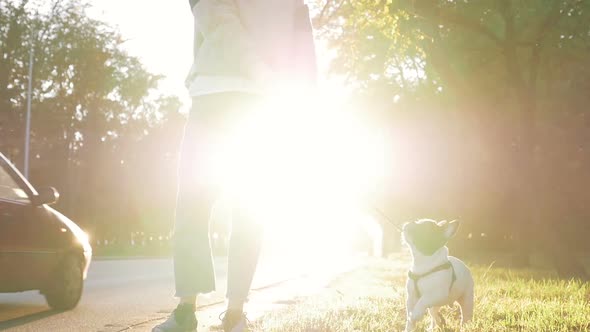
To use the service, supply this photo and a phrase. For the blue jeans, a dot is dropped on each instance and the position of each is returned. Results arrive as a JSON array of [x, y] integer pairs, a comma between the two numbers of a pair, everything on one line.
[[213, 117]]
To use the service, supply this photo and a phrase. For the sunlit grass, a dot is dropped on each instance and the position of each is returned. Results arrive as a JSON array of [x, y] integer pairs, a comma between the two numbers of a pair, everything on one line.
[[372, 299]]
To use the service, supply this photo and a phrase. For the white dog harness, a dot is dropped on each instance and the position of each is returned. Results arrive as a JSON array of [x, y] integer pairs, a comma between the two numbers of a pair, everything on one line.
[[445, 266]]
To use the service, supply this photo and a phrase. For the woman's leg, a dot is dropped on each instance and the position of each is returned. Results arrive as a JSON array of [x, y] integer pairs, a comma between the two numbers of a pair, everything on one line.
[[193, 262]]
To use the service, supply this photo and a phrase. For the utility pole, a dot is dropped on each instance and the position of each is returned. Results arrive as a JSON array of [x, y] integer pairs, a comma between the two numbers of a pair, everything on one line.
[[29, 100]]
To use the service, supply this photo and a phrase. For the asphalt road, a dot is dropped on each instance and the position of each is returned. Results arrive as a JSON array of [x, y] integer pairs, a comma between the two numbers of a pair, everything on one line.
[[117, 294]]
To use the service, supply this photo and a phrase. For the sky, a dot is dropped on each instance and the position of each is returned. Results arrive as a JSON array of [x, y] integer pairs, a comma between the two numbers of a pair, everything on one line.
[[161, 34]]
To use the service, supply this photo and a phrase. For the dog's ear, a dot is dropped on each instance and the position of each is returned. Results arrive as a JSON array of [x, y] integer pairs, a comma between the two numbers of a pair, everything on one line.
[[450, 228]]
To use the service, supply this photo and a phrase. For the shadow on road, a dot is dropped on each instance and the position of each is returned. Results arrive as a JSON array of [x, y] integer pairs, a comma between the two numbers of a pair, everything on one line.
[[31, 314]]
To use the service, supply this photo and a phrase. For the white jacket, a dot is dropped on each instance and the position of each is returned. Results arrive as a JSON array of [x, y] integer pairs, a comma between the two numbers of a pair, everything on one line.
[[249, 45]]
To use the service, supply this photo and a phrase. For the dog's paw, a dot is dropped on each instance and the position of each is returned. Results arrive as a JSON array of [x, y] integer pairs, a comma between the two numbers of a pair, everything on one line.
[[410, 325], [416, 315]]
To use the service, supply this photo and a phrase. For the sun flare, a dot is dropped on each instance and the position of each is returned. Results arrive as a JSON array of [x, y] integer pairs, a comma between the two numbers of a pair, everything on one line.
[[304, 166]]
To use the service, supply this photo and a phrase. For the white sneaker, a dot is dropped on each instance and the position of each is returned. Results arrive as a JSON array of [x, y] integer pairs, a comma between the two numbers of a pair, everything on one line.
[[234, 321], [182, 319]]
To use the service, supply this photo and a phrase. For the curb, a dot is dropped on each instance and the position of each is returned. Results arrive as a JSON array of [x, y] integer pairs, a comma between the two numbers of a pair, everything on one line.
[[127, 258]]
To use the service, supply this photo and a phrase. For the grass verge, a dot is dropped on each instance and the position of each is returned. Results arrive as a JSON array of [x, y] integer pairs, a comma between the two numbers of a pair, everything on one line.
[[372, 298]]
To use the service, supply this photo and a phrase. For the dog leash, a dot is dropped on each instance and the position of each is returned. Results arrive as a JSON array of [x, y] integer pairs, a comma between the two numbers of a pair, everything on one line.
[[384, 216]]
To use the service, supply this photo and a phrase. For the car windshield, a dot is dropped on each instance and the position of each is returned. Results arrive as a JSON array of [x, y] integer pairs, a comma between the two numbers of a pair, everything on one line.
[[9, 190]]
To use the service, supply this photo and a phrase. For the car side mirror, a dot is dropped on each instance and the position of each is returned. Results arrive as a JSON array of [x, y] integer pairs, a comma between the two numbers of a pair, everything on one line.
[[47, 195]]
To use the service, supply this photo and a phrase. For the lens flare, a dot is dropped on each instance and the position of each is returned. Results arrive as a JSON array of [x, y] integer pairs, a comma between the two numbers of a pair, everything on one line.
[[303, 166]]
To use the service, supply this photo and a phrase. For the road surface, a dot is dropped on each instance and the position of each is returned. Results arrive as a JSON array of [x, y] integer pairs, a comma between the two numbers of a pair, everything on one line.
[[123, 293]]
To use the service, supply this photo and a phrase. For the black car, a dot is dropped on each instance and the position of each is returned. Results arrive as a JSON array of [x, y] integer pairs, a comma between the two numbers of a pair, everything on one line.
[[40, 248]]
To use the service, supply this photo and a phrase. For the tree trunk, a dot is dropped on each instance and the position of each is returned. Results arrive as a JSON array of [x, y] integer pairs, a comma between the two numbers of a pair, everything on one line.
[[524, 159]]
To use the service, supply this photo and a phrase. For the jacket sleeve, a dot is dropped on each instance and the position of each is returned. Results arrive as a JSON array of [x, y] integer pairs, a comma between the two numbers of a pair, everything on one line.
[[282, 33]]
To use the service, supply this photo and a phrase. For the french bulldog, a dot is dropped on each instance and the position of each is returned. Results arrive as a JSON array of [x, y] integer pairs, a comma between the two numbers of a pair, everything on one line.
[[435, 278]]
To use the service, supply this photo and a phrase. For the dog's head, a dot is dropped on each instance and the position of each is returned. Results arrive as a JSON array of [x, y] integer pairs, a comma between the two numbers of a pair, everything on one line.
[[427, 236]]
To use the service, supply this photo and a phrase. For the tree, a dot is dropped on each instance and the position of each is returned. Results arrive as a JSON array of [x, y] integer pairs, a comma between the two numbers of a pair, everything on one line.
[[505, 64], [94, 105]]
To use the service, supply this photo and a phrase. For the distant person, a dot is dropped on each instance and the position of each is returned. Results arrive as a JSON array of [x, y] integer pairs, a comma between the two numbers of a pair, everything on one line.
[[243, 51]]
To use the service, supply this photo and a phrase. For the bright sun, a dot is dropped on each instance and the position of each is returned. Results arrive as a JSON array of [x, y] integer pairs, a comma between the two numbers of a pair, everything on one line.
[[304, 167]]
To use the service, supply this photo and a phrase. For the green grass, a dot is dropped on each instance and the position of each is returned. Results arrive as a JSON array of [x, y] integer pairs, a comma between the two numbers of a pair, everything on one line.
[[372, 299]]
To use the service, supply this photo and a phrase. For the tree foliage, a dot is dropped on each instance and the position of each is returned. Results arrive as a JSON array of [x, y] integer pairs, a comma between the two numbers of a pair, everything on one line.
[[494, 93], [96, 113], [491, 48]]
